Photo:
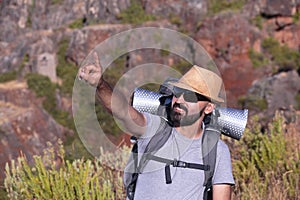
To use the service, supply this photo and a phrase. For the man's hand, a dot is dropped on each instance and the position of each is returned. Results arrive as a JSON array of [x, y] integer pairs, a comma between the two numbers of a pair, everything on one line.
[[91, 73]]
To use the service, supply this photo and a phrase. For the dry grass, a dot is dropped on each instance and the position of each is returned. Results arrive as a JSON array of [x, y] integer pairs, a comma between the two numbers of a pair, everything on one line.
[[266, 165]]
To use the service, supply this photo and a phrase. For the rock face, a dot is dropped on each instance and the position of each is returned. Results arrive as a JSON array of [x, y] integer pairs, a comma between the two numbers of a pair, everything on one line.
[[279, 91], [228, 39], [24, 126]]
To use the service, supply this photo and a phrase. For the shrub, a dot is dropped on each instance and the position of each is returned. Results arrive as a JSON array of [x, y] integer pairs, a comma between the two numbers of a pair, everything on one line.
[[54, 2], [78, 23], [258, 21], [43, 87], [8, 76], [255, 103], [282, 56], [267, 164], [175, 19], [182, 66], [80, 179], [40, 84], [257, 59], [135, 14], [67, 71], [217, 6], [297, 99]]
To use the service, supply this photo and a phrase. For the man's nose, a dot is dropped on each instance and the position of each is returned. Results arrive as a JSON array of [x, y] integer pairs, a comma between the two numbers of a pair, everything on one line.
[[179, 99]]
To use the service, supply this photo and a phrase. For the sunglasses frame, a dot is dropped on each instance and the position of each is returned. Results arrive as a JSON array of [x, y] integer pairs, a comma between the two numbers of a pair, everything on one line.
[[189, 96]]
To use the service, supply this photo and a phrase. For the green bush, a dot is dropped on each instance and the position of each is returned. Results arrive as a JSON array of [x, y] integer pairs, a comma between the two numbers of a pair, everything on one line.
[[43, 87], [66, 70], [258, 21], [266, 165], [54, 2], [135, 14], [282, 56], [182, 66], [297, 99], [40, 84], [257, 59], [175, 19], [78, 23], [8, 76], [217, 6], [80, 179]]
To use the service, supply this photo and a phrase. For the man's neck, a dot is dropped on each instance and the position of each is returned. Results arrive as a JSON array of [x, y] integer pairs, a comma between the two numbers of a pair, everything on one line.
[[193, 131]]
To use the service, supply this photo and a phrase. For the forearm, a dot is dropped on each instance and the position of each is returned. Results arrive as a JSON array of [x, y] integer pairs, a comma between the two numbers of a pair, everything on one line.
[[118, 106], [222, 192]]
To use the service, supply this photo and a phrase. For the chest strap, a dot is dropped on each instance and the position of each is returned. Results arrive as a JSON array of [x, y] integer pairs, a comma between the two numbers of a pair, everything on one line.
[[176, 163]]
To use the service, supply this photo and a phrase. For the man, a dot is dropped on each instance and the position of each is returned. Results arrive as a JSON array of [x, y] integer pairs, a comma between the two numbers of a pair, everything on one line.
[[195, 95]]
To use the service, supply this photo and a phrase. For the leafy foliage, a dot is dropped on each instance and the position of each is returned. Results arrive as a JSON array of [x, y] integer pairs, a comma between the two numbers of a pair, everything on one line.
[[135, 14], [217, 6], [43, 87], [78, 23], [8, 76], [266, 167], [80, 179], [66, 70], [258, 21], [297, 98], [282, 56], [257, 59]]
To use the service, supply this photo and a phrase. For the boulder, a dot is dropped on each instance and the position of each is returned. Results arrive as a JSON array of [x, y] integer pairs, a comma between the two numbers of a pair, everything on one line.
[[278, 91]]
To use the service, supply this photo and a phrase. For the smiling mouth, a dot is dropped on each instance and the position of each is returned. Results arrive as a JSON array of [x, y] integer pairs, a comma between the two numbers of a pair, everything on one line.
[[179, 109]]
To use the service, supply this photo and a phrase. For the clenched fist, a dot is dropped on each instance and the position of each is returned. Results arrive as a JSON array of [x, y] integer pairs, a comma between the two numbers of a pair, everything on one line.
[[91, 73]]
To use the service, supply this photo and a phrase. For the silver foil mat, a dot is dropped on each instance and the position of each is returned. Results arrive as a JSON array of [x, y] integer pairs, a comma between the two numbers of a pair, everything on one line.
[[146, 101], [231, 122]]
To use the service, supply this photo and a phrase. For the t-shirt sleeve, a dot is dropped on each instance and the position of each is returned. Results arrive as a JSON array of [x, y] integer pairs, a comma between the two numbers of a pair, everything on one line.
[[153, 122], [223, 169]]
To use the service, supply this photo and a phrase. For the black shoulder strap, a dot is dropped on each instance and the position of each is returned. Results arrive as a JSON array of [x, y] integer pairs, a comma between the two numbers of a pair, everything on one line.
[[156, 142], [209, 153]]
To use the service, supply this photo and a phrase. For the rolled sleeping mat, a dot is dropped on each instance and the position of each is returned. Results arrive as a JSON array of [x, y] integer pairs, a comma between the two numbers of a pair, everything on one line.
[[146, 101], [231, 122]]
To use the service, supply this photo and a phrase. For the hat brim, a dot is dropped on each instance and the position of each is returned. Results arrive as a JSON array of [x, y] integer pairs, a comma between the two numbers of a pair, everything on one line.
[[187, 87]]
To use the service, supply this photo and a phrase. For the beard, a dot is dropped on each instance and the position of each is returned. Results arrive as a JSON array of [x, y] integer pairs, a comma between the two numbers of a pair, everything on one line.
[[178, 119]]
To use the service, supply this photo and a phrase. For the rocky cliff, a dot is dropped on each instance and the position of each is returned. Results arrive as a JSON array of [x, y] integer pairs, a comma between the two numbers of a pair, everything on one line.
[[234, 32], [25, 127]]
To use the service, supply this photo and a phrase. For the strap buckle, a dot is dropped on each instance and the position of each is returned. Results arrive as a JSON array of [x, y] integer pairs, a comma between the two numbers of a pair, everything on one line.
[[178, 163]]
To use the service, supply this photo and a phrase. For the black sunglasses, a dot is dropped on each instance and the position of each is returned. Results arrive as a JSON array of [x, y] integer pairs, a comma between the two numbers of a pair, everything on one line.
[[188, 95]]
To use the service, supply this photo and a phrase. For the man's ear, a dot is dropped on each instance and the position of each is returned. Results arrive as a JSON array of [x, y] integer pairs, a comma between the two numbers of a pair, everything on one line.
[[209, 108]]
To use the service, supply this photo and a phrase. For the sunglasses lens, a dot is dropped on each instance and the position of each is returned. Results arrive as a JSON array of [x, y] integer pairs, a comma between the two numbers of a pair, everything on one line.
[[177, 92], [189, 96]]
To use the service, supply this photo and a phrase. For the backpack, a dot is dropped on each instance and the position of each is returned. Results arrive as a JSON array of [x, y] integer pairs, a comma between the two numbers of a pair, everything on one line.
[[209, 150]]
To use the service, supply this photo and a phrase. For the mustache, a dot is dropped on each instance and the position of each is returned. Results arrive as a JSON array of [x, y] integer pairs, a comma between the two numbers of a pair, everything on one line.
[[180, 106]]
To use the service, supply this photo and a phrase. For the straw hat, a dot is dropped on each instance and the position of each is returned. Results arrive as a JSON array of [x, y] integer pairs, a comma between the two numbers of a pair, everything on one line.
[[202, 81]]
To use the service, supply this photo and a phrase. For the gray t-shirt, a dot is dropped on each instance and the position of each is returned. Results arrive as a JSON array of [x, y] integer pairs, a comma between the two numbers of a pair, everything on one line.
[[186, 183]]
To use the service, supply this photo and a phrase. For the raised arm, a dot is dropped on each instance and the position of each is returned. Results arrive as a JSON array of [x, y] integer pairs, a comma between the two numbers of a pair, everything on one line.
[[132, 120]]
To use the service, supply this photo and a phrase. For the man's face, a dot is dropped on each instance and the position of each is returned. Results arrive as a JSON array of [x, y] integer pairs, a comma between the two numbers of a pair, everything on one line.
[[187, 107]]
